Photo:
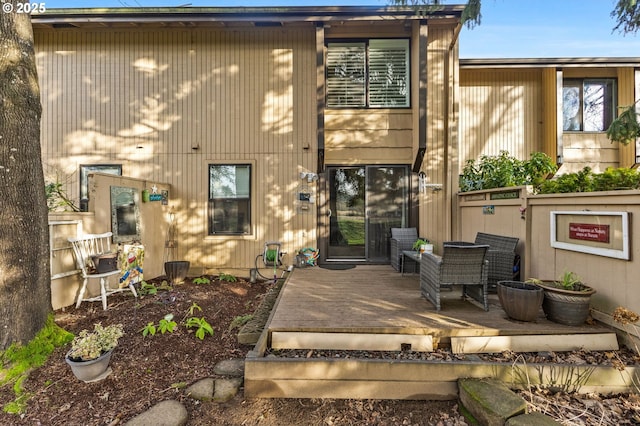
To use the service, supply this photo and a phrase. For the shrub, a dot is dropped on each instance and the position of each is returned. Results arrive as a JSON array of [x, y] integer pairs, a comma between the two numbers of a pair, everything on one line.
[[587, 181], [504, 170]]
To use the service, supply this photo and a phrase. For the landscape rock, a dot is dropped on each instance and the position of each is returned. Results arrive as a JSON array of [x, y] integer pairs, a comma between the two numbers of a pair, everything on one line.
[[489, 401], [165, 413], [202, 390], [230, 367], [531, 419], [226, 389]]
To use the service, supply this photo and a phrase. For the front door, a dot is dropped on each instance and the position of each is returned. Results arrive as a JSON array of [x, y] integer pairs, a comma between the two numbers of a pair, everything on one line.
[[365, 202]]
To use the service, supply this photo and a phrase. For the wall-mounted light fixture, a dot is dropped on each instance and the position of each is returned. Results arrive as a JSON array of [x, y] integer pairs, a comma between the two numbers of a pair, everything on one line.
[[309, 176]]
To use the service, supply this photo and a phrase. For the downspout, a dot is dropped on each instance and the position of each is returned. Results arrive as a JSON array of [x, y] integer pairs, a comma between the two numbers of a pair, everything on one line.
[[422, 96]]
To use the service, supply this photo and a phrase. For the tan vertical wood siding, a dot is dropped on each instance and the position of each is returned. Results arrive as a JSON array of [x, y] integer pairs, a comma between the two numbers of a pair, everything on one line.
[[165, 103], [626, 97], [549, 113], [501, 110]]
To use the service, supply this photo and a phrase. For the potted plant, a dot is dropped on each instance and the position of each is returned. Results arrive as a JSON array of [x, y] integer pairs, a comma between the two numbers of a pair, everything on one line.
[[91, 352], [520, 300], [423, 245], [567, 299]]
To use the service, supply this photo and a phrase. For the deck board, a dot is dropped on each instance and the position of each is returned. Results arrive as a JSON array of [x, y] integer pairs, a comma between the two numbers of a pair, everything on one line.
[[377, 299]]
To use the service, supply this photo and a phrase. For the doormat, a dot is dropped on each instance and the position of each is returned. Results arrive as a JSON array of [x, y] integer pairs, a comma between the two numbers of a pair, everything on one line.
[[338, 266]]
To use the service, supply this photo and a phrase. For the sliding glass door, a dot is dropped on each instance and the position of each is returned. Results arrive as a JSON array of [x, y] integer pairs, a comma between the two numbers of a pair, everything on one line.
[[365, 202]]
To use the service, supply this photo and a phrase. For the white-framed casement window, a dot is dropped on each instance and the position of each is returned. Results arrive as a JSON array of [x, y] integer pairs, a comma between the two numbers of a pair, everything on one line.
[[229, 211], [368, 74], [588, 105]]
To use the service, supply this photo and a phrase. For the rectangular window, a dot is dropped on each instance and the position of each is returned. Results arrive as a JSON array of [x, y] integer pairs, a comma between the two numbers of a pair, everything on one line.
[[85, 171], [588, 105], [229, 199], [373, 73]]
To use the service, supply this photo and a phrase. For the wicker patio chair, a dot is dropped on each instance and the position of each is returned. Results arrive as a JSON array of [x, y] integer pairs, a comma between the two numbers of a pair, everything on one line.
[[401, 239], [465, 265], [501, 256]]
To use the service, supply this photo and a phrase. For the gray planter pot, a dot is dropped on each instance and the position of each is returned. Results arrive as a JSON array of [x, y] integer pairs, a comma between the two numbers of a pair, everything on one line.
[[92, 370], [566, 307], [176, 271], [520, 301]]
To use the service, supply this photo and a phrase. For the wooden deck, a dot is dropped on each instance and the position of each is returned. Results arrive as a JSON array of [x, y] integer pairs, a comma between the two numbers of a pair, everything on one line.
[[378, 300], [376, 308]]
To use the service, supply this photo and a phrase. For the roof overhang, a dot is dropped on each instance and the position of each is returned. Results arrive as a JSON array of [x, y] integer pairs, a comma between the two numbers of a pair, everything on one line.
[[550, 63], [258, 16]]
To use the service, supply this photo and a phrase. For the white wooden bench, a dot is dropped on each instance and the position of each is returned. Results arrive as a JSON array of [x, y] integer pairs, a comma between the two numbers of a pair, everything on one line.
[[84, 248]]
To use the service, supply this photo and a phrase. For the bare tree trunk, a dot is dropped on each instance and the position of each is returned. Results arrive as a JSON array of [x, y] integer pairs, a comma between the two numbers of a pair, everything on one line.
[[25, 295]]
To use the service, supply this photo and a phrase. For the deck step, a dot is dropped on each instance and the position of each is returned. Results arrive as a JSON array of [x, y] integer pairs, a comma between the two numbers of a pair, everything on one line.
[[535, 343], [351, 341]]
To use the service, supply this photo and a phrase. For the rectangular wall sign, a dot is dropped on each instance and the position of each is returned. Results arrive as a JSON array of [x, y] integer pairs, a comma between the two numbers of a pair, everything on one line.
[[589, 232], [598, 233]]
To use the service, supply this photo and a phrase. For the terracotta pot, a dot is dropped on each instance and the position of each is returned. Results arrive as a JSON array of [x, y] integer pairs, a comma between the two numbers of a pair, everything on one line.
[[566, 307], [176, 271], [520, 301], [92, 370]]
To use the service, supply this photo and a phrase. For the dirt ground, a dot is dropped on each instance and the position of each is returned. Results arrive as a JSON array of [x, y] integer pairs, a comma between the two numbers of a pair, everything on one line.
[[147, 370]]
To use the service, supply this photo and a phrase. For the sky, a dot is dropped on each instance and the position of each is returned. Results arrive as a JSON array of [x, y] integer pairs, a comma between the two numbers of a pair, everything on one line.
[[509, 28]]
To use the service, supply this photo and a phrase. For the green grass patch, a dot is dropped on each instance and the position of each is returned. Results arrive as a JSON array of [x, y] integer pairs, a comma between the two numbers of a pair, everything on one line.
[[18, 360]]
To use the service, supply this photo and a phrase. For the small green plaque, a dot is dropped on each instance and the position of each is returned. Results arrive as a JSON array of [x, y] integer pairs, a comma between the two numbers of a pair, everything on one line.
[[505, 195]]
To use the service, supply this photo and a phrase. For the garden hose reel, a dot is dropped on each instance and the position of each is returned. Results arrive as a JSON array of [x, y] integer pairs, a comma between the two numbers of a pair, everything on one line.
[[272, 254]]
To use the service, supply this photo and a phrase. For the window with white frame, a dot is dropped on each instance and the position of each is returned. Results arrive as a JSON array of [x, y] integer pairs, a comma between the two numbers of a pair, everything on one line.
[[229, 199], [588, 105], [372, 73]]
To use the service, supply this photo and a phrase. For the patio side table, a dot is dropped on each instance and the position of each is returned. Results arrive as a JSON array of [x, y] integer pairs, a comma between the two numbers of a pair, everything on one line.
[[413, 256]]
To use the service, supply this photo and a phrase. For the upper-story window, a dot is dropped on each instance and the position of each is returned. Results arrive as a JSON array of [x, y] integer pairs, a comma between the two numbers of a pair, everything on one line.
[[372, 73], [588, 105]]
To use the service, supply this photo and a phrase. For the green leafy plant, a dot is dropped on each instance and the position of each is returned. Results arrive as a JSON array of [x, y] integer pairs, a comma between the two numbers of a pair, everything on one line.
[[567, 281], [227, 277], [149, 329], [625, 128], [146, 288], [418, 243], [57, 198], [165, 325], [201, 280], [90, 345], [201, 325], [613, 179], [586, 181], [193, 308], [504, 170]]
